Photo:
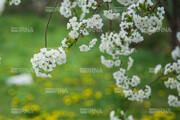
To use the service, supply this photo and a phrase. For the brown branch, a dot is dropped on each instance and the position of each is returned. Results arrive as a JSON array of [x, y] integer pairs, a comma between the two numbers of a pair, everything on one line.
[[48, 22], [76, 39], [152, 82], [98, 9], [110, 21], [156, 5]]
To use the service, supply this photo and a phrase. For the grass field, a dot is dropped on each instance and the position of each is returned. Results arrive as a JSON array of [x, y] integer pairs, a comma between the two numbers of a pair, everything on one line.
[[92, 91]]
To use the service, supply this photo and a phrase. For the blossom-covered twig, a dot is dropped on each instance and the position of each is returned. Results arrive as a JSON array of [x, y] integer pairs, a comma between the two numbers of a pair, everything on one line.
[[129, 102]]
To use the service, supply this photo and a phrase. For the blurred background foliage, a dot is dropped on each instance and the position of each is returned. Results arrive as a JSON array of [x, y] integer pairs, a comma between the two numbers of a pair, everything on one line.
[[85, 90]]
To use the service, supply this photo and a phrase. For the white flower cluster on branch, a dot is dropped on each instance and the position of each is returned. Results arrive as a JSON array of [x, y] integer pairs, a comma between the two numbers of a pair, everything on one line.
[[172, 73], [45, 61], [67, 6], [110, 15], [141, 16], [173, 82], [94, 22]]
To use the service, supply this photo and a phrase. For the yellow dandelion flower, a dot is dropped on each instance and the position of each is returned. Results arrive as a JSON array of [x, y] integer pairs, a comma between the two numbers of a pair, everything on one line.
[[75, 97], [87, 93], [35, 108], [67, 100], [98, 95]]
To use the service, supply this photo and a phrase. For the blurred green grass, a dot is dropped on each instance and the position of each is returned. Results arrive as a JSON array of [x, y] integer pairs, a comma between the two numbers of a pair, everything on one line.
[[16, 50]]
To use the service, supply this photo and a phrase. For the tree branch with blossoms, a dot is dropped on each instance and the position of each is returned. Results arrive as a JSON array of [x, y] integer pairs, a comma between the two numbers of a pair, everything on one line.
[[140, 17]]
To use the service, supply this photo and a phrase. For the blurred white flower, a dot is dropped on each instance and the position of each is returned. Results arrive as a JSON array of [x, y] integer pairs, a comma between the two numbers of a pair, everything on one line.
[[22, 79], [178, 36], [157, 69], [2, 5]]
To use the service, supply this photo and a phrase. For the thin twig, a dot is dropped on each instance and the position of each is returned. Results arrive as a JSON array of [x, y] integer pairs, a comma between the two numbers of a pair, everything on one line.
[[76, 39], [156, 5], [110, 21], [48, 22], [152, 82], [97, 10]]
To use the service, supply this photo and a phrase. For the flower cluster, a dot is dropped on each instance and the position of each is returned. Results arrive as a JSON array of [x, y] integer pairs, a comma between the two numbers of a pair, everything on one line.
[[175, 67], [146, 23], [15, 2], [135, 19], [85, 48], [172, 71], [45, 61], [124, 82], [115, 44], [67, 6], [94, 22], [173, 101], [173, 81], [107, 63], [110, 15], [110, 63], [138, 95], [140, 17]]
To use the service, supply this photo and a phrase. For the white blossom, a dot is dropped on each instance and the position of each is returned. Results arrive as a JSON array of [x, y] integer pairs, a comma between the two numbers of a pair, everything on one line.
[[173, 101], [178, 36], [107, 63], [92, 43], [176, 53], [113, 117], [2, 5], [74, 34], [130, 63], [84, 48], [157, 69], [110, 15]]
